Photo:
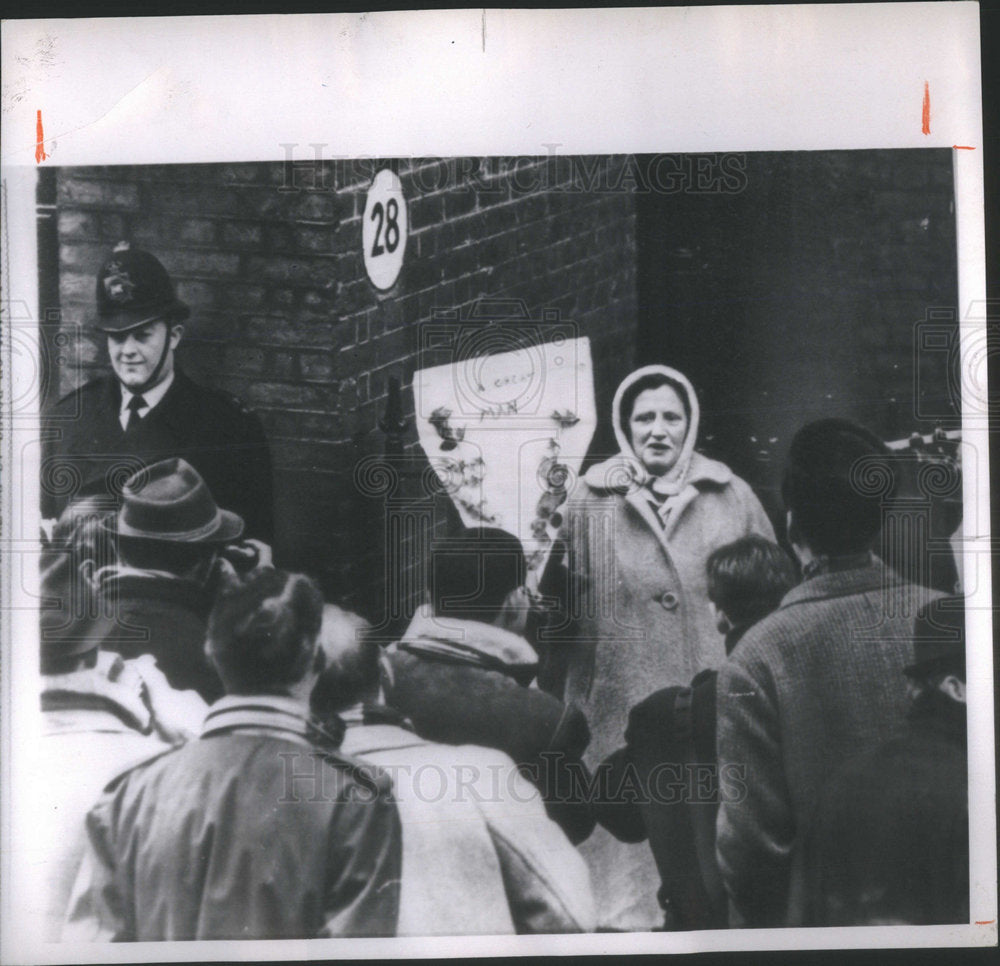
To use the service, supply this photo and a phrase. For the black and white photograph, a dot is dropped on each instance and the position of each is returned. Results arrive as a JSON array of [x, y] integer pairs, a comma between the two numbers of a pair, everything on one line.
[[522, 547]]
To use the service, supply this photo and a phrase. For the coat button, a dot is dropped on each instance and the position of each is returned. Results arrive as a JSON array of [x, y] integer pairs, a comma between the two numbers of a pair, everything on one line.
[[669, 600]]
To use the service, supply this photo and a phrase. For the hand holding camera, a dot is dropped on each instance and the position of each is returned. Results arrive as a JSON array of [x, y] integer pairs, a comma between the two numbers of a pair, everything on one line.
[[238, 560]]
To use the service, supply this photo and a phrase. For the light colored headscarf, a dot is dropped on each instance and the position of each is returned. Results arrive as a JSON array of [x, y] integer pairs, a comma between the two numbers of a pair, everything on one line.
[[673, 481]]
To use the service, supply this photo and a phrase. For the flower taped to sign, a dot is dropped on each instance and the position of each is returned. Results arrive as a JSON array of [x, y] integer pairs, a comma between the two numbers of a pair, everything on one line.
[[506, 433]]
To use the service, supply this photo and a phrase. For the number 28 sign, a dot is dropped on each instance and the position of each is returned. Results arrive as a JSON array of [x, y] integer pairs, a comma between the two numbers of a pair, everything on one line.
[[383, 229]]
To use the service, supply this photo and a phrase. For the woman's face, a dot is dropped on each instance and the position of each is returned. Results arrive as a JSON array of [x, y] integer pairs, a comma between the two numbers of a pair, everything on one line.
[[657, 428]]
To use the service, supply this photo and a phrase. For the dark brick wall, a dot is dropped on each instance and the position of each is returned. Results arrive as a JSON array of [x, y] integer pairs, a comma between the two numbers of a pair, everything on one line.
[[803, 294], [283, 315]]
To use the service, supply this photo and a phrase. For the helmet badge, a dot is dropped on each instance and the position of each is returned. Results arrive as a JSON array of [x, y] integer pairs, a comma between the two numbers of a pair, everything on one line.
[[118, 285]]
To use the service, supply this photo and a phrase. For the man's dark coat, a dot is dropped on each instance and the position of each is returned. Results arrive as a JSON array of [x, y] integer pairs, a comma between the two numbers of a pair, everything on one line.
[[88, 453]]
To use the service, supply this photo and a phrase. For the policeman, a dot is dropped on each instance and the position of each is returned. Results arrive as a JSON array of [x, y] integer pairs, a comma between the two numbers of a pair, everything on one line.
[[101, 434]]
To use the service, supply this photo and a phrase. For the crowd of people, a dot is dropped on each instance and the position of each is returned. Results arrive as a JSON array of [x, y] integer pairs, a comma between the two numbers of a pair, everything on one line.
[[685, 727]]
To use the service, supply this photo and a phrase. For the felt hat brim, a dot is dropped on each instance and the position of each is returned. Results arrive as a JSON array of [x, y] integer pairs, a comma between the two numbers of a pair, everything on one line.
[[225, 528]]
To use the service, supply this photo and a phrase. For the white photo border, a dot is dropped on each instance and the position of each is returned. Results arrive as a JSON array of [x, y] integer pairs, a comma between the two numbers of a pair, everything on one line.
[[596, 81]]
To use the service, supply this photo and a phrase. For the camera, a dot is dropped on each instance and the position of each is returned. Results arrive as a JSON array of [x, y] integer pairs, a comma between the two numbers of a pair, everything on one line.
[[244, 556]]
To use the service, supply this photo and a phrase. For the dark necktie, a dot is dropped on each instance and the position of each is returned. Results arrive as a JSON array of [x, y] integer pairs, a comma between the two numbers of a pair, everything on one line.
[[134, 405]]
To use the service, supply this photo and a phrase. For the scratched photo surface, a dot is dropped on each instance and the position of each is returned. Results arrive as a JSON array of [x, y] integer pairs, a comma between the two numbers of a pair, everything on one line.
[[358, 428]]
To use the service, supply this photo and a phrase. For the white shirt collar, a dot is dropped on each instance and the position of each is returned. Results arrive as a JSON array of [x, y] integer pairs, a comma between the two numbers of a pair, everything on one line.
[[151, 396]]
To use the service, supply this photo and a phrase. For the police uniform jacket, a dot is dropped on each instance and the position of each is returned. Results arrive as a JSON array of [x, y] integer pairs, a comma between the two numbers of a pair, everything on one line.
[[90, 454]]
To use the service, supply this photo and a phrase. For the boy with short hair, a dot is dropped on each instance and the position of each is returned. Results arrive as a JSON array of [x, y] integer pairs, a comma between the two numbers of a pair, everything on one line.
[[746, 581], [259, 828]]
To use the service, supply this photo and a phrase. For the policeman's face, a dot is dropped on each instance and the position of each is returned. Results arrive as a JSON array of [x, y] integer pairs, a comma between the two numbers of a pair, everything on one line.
[[657, 428], [135, 354]]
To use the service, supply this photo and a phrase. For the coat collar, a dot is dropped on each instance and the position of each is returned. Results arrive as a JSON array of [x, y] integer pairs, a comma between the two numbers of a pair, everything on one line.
[[179, 384], [374, 727], [703, 474], [258, 712], [619, 475], [374, 713], [152, 397], [468, 642], [118, 582], [173, 410], [873, 575], [110, 686]]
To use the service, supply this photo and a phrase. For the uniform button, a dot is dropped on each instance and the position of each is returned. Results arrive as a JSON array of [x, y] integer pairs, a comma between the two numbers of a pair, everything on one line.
[[669, 600]]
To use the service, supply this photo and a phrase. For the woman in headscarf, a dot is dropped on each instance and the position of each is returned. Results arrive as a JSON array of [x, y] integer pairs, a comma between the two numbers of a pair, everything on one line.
[[638, 531]]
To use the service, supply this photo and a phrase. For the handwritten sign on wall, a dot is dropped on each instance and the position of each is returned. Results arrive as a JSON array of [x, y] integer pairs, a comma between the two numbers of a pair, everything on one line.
[[506, 434]]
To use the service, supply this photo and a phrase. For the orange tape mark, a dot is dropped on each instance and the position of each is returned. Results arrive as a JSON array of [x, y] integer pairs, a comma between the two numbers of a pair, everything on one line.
[[40, 154], [925, 124], [985, 922], [963, 147]]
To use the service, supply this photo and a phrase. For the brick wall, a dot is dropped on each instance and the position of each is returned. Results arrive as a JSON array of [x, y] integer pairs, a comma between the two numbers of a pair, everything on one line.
[[269, 258], [804, 294]]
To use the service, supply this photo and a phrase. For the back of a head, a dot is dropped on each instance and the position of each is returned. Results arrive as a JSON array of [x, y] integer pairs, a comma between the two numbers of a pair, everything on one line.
[[472, 574], [836, 481], [351, 674], [179, 559], [262, 632], [748, 578]]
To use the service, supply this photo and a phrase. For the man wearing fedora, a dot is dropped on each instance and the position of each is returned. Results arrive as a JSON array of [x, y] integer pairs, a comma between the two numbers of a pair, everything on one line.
[[148, 409], [169, 534], [101, 715]]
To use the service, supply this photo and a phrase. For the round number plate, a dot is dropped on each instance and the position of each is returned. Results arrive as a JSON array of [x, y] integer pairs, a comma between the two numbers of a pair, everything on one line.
[[384, 228]]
